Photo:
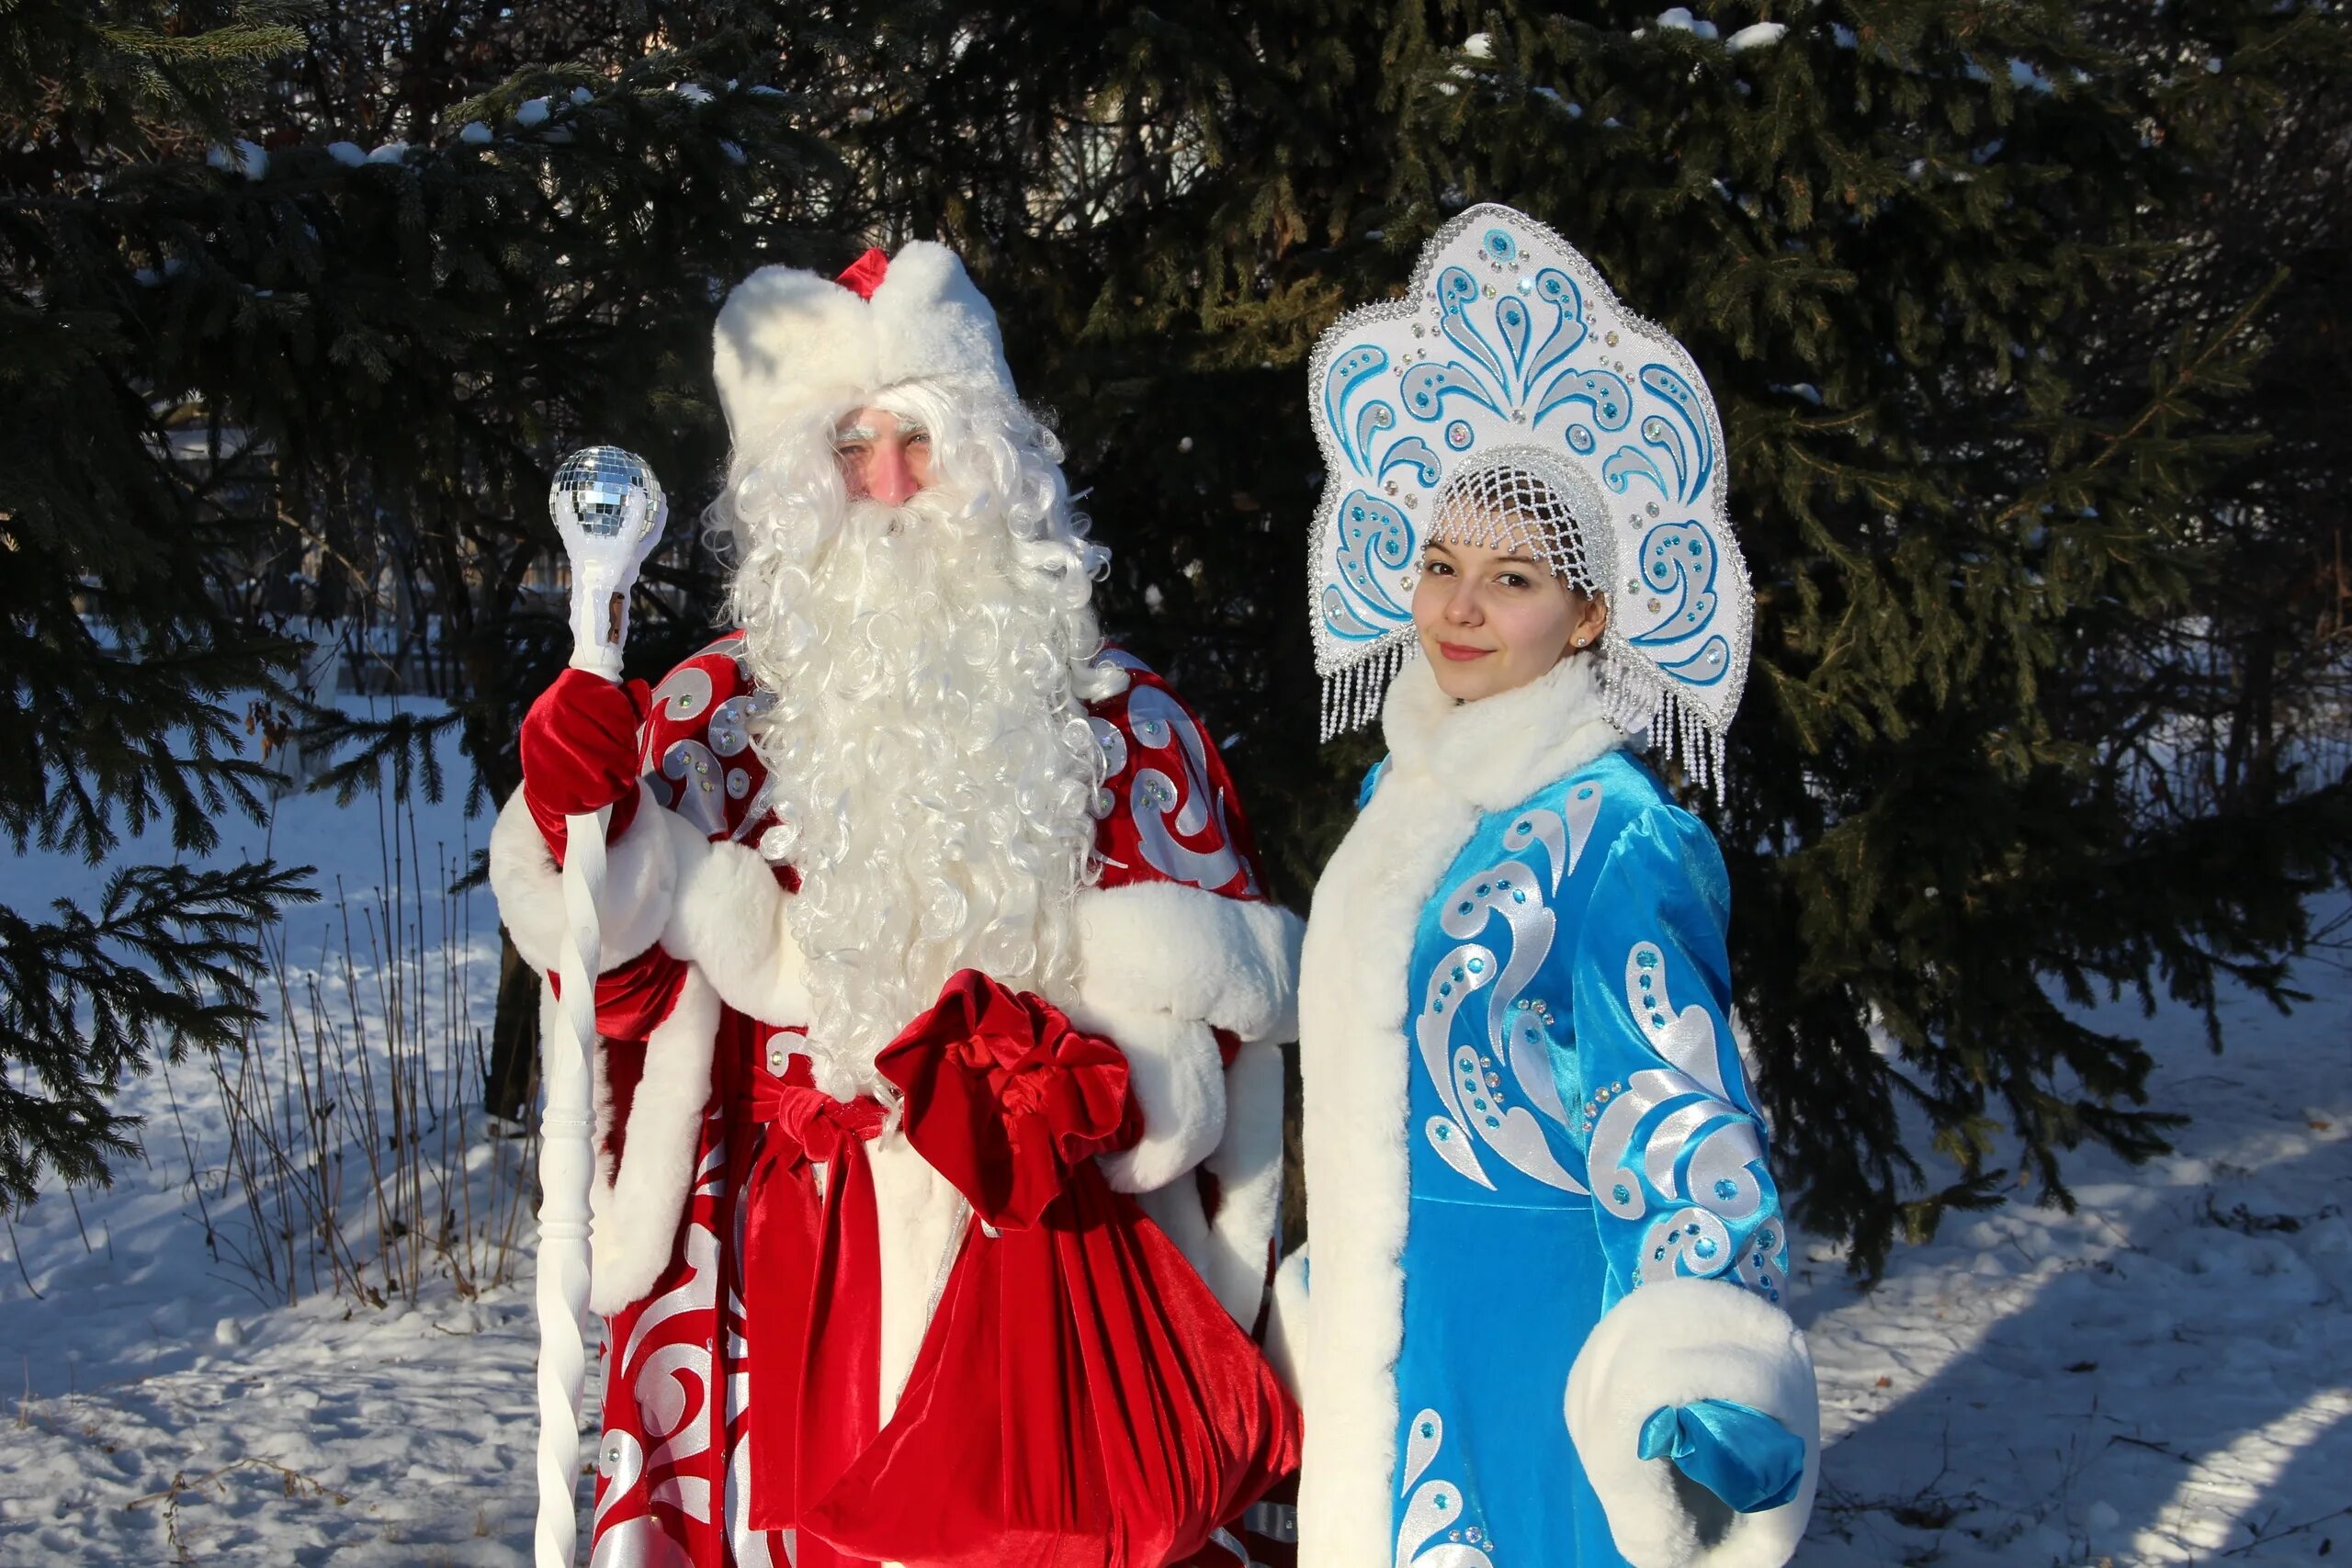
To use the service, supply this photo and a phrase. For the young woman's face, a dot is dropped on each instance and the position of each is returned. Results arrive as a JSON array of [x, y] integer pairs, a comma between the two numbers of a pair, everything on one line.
[[1492, 620]]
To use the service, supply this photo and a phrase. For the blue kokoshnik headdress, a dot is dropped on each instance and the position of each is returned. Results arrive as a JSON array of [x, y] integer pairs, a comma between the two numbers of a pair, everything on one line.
[[1510, 385]]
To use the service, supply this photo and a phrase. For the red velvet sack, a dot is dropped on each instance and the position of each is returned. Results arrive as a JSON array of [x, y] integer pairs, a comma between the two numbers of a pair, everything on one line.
[[1081, 1400]]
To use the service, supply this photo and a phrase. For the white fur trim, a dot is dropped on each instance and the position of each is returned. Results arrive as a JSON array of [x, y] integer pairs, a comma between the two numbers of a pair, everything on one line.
[[918, 1219], [640, 882], [930, 322], [1286, 1325], [633, 1212], [1498, 751], [730, 920], [1230, 1253], [1452, 764], [791, 344], [1178, 1080], [1671, 1342], [1248, 1165], [1166, 947]]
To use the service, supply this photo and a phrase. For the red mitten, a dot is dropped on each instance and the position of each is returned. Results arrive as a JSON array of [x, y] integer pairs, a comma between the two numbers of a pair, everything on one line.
[[579, 753]]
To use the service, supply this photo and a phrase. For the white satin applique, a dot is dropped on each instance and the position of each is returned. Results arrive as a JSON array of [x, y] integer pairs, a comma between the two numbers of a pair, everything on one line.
[[673, 1388], [1703, 1156], [1435, 1508], [1470, 1084], [1161, 724]]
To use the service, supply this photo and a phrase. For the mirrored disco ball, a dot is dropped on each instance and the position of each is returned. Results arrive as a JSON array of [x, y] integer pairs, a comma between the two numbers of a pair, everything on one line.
[[595, 483]]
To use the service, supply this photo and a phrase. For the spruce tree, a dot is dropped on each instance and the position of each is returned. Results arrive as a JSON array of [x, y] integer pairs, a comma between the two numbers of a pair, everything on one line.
[[1931, 256], [385, 348], [124, 676]]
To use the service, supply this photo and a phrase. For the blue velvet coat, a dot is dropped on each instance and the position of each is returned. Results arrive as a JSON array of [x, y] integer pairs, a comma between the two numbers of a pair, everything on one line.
[[1524, 1107]]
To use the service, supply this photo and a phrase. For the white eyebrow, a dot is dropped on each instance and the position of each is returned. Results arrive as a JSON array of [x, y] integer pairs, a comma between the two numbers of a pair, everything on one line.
[[856, 432]]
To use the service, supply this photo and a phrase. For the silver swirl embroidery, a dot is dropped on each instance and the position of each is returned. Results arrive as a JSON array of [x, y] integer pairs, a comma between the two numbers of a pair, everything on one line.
[[698, 1292], [692, 765], [1511, 891], [1689, 1241], [638, 1541], [1113, 744], [1764, 1261], [1563, 834], [1704, 1156], [730, 724], [1510, 1130], [1161, 725], [1435, 1506], [683, 693], [672, 1393], [1432, 1031], [756, 812], [750, 1545]]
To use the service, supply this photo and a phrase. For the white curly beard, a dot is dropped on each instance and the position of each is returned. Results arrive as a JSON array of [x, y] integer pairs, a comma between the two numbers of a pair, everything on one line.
[[931, 755]]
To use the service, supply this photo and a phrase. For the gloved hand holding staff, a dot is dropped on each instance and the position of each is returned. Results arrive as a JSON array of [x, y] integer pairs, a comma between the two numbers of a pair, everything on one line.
[[609, 509]]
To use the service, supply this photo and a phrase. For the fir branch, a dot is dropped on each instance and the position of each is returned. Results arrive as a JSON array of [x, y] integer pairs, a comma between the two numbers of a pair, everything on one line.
[[166, 962]]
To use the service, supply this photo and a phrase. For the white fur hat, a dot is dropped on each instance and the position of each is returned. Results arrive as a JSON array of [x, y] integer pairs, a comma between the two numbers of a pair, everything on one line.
[[792, 344]]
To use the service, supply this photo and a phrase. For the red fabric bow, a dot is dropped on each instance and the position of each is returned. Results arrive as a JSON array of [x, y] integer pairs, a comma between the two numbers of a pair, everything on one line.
[[1004, 1096]]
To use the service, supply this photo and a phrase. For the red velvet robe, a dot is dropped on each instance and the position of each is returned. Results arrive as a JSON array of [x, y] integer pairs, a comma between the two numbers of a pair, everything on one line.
[[683, 1359]]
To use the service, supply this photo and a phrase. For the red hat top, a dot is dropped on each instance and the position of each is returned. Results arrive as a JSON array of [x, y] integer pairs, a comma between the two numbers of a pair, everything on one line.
[[863, 276]]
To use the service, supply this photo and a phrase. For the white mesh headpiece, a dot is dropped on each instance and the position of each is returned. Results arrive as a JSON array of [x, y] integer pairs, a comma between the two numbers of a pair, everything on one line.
[[1516, 501], [1510, 385]]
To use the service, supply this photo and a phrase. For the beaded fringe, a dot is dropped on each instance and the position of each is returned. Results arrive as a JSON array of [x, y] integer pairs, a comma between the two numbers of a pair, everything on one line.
[[1635, 701], [1353, 694]]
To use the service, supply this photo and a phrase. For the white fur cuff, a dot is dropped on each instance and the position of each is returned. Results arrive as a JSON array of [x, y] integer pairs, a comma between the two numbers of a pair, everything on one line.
[[640, 883], [1178, 1080], [1672, 1342], [1287, 1326], [1248, 1165], [731, 923], [1169, 948]]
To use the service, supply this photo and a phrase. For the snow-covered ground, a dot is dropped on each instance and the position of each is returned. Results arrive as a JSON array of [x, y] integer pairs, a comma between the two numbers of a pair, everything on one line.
[[2165, 1376], [164, 1404]]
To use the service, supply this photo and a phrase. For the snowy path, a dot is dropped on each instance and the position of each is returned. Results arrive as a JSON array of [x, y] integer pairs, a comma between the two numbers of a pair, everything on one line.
[[2164, 1377]]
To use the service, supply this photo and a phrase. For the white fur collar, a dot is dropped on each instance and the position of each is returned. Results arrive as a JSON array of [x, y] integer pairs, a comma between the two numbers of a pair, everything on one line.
[[1495, 752]]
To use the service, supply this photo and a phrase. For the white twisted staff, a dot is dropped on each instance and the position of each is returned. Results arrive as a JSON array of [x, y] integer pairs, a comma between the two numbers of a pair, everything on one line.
[[609, 509]]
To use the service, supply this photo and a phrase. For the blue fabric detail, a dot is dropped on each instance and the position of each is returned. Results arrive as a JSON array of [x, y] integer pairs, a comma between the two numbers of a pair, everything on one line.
[[1578, 1123], [1372, 777], [1736, 1451]]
